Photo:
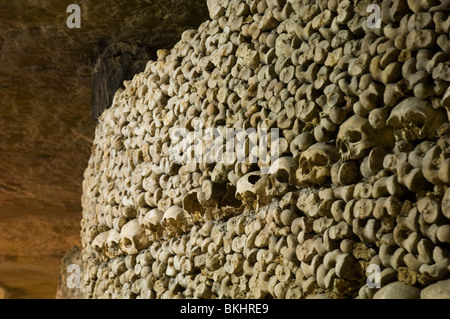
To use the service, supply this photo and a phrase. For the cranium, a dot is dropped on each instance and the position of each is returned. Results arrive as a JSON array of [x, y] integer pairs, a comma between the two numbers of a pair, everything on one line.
[[173, 218], [283, 168], [356, 137], [415, 119], [133, 238], [112, 244], [98, 244], [315, 164], [276, 183], [152, 219], [246, 187]]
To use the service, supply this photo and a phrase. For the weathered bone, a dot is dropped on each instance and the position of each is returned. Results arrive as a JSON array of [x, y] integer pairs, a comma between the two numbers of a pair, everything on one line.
[[133, 238]]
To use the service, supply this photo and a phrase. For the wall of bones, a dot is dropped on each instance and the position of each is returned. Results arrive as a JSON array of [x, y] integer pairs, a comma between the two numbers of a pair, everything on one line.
[[361, 193]]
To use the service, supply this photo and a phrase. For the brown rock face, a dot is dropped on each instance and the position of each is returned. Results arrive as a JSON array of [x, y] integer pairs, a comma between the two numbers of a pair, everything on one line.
[[119, 61], [69, 286], [45, 119]]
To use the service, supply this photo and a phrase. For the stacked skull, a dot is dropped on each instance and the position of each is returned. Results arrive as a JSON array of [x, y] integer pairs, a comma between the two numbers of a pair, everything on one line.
[[363, 171]]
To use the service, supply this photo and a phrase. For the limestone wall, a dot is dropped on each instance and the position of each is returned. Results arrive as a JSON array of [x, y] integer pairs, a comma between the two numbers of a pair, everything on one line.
[[69, 284], [47, 74], [363, 177]]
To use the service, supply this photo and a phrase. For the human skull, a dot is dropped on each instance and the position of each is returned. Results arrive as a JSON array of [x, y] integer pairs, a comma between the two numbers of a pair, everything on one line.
[[315, 164], [356, 137], [246, 187], [112, 244], [173, 218], [133, 238], [98, 244], [415, 119], [276, 183], [152, 219]]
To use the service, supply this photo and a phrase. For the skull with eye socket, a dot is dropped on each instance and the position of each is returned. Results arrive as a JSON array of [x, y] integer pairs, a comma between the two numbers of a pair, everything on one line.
[[415, 119], [112, 249], [133, 238], [357, 137], [315, 164], [276, 183]]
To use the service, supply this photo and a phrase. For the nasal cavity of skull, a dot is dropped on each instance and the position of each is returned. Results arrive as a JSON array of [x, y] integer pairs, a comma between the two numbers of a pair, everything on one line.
[[305, 168]]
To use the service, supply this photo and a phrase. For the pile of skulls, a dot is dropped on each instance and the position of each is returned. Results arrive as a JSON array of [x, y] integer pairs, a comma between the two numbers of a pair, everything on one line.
[[362, 185]]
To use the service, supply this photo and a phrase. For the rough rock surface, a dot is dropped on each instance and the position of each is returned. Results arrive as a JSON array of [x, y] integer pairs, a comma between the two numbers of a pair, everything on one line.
[[119, 62], [69, 285], [361, 193], [46, 125]]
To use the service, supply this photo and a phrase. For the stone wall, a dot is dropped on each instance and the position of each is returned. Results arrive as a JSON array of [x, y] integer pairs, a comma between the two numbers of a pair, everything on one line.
[[119, 62], [363, 177], [46, 134], [69, 285]]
